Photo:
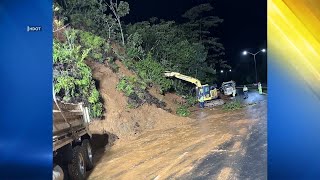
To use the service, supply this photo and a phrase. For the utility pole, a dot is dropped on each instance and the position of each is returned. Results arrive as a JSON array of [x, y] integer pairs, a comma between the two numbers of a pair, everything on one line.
[[254, 58]]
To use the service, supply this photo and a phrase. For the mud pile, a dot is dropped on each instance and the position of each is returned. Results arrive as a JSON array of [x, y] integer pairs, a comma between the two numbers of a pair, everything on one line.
[[171, 100], [120, 120]]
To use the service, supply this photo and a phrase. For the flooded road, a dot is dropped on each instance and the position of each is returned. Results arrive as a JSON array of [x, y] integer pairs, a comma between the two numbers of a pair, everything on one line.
[[217, 145], [253, 96]]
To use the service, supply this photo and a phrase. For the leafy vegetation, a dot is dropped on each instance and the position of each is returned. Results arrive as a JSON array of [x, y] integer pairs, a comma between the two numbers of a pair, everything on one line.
[[152, 73], [234, 105], [129, 85], [151, 48], [126, 85], [102, 18], [191, 100], [188, 48], [136, 91], [98, 46], [119, 10], [183, 111], [72, 77], [133, 46]]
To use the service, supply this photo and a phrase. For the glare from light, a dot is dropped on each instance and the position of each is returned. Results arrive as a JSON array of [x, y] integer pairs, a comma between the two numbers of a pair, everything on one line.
[[245, 53], [263, 50], [230, 70], [221, 71]]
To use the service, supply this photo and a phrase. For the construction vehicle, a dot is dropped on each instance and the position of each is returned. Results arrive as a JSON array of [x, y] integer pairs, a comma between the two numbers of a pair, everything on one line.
[[210, 93], [72, 152], [229, 88]]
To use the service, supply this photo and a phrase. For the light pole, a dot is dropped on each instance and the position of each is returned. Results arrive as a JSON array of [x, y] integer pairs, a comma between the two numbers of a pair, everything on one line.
[[254, 58]]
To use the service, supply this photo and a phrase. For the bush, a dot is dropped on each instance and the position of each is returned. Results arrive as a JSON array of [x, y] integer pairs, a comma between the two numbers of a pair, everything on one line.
[[234, 105], [99, 47], [126, 86], [129, 63], [191, 101], [133, 46], [96, 110], [152, 72], [131, 106], [136, 91], [183, 111], [72, 77]]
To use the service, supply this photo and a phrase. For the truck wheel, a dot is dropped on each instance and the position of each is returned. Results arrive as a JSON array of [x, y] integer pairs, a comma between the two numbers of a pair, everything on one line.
[[88, 157], [77, 167], [57, 173]]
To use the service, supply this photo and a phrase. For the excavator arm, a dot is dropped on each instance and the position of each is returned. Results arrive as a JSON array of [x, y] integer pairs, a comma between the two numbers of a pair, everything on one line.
[[183, 77], [210, 96]]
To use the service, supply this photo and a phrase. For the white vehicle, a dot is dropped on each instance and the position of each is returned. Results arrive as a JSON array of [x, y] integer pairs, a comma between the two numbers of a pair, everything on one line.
[[229, 88], [71, 141]]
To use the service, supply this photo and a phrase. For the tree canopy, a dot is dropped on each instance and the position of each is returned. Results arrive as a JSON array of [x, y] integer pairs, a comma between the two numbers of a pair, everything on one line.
[[151, 47]]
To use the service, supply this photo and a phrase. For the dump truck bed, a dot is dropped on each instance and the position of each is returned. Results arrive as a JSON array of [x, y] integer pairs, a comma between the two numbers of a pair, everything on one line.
[[69, 121]]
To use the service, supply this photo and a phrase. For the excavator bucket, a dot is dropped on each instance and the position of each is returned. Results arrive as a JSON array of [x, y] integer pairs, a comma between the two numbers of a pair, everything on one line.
[[213, 103]]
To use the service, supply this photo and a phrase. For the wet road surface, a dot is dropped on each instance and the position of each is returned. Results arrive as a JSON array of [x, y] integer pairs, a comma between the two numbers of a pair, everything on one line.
[[217, 145], [253, 96], [242, 157]]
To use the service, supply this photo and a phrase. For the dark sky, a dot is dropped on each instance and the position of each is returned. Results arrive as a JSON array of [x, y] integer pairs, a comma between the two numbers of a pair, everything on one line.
[[244, 28]]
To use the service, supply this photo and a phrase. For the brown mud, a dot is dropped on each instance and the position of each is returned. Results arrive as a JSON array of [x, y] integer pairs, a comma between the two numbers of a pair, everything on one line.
[[151, 143], [118, 118], [212, 147], [171, 100]]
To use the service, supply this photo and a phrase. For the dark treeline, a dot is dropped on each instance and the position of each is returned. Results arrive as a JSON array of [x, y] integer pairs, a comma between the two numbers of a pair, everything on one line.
[[150, 47]]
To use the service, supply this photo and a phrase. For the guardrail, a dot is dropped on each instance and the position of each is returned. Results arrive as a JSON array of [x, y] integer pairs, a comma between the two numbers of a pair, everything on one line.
[[255, 87]]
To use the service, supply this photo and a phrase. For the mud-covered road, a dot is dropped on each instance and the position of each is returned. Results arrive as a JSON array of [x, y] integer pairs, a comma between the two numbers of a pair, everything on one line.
[[217, 145]]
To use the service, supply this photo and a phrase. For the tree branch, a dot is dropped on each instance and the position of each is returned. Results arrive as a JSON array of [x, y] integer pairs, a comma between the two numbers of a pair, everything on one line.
[[61, 28]]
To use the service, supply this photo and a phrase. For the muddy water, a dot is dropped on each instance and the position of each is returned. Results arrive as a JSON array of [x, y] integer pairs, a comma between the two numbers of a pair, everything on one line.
[[215, 146]]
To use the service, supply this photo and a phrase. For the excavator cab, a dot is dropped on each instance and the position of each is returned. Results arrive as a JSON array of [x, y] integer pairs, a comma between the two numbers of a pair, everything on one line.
[[208, 92], [199, 90]]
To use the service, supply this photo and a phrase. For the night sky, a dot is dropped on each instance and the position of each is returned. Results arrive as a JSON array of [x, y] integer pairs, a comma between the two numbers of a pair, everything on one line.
[[244, 28]]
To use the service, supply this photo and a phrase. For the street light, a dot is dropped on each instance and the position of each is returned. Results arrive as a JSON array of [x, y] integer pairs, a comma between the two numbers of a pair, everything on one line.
[[221, 71], [245, 53], [229, 70], [254, 58]]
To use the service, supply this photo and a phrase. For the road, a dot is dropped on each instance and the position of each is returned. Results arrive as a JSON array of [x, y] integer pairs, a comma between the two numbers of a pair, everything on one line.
[[253, 96], [242, 157], [216, 145]]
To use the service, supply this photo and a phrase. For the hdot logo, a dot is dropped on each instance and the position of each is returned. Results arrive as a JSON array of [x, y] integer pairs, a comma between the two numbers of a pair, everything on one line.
[[34, 28]]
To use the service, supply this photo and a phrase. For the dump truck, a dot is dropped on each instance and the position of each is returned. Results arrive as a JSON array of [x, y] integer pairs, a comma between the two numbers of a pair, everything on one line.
[[229, 88], [72, 152], [211, 97]]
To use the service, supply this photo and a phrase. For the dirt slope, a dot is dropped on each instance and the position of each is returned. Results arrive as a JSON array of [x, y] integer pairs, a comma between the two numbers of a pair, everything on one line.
[[172, 100], [118, 119]]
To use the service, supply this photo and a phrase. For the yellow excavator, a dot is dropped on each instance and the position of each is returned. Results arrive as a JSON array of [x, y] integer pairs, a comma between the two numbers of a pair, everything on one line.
[[210, 93]]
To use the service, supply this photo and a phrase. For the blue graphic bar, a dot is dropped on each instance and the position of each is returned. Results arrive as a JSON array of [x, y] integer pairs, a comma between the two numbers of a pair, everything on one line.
[[26, 89]]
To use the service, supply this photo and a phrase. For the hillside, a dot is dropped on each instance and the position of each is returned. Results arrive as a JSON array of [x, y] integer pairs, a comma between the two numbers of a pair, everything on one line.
[[117, 69], [122, 121]]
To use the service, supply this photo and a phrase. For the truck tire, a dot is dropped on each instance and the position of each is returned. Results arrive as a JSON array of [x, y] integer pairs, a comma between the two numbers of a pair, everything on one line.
[[88, 157], [77, 167], [57, 173]]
